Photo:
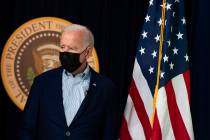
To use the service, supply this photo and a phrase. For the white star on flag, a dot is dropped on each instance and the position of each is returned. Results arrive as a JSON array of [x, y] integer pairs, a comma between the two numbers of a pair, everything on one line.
[[144, 34], [147, 18], [168, 6], [160, 22], [157, 38], [154, 54], [150, 2], [186, 58], [183, 20], [151, 69], [175, 50], [169, 43], [179, 35], [162, 74], [165, 58], [171, 66], [142, 50]]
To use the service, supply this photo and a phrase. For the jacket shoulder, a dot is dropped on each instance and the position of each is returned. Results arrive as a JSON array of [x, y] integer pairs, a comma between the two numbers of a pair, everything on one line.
[[51, 74], [102, 80]]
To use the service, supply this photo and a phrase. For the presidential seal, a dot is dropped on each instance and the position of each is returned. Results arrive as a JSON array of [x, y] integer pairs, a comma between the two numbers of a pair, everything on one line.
[[31, 50]]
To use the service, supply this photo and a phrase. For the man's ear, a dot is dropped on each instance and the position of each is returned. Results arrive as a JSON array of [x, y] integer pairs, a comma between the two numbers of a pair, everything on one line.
[[89, 52]]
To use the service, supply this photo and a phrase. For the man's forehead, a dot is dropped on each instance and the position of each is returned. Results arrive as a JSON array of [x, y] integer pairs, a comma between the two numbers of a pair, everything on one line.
[[78, 33], [72, 37], [72, 40]]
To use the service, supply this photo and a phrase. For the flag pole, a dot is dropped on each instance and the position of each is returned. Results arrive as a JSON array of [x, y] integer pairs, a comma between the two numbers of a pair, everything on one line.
[[159, 58]]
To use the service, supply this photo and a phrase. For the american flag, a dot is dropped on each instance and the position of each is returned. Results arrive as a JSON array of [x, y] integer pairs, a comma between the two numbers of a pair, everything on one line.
[[158, 103]]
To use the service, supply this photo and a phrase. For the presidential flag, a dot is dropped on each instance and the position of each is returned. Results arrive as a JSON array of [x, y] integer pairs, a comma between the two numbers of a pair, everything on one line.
[[158, 103]]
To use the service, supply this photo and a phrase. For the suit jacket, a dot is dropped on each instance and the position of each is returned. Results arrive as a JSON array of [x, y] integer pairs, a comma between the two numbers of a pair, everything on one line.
[[44, 117]]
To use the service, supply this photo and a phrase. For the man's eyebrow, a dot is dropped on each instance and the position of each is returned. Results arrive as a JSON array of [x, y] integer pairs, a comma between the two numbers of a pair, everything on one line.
[[70, 47], [74, 47]]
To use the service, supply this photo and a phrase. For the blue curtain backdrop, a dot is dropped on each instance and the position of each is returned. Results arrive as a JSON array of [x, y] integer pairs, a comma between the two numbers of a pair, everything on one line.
[[116, 25]]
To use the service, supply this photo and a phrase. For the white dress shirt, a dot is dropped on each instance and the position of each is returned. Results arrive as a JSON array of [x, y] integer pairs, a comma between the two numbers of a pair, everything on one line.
[[74, 90]]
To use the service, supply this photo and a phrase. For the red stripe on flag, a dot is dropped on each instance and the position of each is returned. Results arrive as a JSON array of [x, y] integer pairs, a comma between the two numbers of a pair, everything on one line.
[[156, 133], [177, 123], [140, 109], [124, 133], [186, 76]]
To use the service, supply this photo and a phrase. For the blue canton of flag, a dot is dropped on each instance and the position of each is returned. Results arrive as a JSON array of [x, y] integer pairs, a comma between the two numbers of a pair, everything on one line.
[[174, 55]]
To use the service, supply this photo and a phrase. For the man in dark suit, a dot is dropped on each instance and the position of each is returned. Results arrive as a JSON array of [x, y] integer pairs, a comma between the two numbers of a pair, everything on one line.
[[72, 102]]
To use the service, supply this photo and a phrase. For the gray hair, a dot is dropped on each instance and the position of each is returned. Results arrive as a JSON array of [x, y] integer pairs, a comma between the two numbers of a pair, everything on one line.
[[88, 35]]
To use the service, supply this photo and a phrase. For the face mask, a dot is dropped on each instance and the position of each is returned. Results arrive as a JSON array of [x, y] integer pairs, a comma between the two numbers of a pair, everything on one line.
[[70, 61]]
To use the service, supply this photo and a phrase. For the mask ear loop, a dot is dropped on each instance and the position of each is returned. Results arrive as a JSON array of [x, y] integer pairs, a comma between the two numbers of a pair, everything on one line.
[[85, 53]]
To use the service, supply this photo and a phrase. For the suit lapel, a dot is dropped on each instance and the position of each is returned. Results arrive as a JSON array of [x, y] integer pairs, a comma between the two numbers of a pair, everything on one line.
[[59, 96], [91, 90]]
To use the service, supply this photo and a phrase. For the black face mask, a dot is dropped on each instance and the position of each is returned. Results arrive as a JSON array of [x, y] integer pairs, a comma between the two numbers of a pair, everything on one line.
[[70, 61]]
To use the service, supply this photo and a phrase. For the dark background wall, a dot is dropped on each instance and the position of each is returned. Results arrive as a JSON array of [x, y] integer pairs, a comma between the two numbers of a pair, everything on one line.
[[116, 25]]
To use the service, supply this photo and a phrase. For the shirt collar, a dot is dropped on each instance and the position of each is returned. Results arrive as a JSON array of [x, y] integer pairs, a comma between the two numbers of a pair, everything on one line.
[[82, 75]]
